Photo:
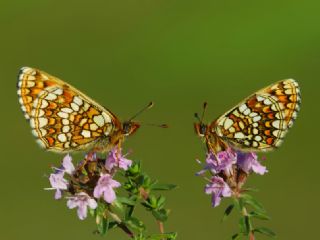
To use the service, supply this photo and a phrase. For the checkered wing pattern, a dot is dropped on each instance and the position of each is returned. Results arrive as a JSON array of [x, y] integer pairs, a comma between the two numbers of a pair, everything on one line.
[[62, 118], [261, 121]]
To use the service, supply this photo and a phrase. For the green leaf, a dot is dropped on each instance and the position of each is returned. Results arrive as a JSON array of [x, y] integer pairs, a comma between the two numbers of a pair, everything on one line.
[[100, 209], [259, 215], [126, 201], [160, 202], [129, 211], [235, 236], [102, 225], [118, 205], [168, 236], [134, 169], [135, 223], [227, 212], [152, 201], [239, 204], [161, 215], [159, 186], [249, 200], [244, 225], [265, 231]]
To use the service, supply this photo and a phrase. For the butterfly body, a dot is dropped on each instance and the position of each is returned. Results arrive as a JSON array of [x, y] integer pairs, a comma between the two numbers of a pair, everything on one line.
[[258, 123], [63, 119]]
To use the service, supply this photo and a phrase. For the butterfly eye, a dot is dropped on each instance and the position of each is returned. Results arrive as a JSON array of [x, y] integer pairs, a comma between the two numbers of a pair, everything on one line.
[[200, 129], [203, 129]]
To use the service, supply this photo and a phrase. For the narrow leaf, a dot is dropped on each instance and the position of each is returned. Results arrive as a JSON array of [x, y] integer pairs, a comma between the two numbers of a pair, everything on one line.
[[235, 236], [259, 215], [161, 215], [248, 199], [126, 201], [227, 212], [159, 186], [265, 231]]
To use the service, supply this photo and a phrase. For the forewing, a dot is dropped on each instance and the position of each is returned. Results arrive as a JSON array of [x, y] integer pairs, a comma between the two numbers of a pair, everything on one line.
[[62, 118], [261, 121]]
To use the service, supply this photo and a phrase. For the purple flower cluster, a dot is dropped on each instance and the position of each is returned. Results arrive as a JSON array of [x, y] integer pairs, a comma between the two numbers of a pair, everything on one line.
[[224, 166], [103, 187]]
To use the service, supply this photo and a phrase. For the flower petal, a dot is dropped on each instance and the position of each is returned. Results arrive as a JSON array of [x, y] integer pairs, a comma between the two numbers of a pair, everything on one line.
[[109, 195], [82, 211], [92, 203], [67, 164], [58, 194]]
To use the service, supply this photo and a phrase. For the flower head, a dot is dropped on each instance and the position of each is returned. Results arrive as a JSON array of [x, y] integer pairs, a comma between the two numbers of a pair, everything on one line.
[[58, 183], [218, 188], [222, 161], [82, 201], [105, 187], [116, 159], [249, 162]]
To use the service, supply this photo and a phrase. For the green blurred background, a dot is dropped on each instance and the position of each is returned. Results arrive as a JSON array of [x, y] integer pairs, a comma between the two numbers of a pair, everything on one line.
[[178, 54]]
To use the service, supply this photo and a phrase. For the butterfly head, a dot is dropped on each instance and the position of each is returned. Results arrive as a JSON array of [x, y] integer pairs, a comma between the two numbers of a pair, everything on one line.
[[200, 129], [129, 127]]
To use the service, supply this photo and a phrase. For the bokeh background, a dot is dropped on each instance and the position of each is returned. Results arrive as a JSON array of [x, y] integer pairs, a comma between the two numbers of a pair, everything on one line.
[[178, 54]]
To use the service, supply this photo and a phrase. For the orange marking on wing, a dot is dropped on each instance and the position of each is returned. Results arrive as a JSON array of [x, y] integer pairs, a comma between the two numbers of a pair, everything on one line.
[[92, 111]]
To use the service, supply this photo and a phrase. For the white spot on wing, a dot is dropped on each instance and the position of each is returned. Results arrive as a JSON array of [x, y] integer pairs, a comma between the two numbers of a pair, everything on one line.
[[74, 106], [78, 100], [93, 126], [242, 107], [62, 137], [65, 129], [227, 123], [260, 99], [58, 91], [41, 143], [267, 101], [86, 133], [256, 118], [258, 138], [67, 110], [99, 120], [65, 121], [51, 96], [63, 114], [42, 122], [276, 124], [44, 103], [239, 135], [106, 117], [247, 111]]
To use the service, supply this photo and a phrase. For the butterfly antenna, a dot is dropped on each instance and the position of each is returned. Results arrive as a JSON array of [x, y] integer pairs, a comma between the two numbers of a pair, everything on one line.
[[196, 115], [156, 125], [150, 105], [205, 104]]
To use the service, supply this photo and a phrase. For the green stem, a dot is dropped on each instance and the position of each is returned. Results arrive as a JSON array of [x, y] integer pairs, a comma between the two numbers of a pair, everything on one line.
[[121, 225]]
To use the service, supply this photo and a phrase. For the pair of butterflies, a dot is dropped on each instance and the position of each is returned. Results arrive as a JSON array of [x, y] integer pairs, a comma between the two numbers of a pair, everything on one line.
[[63, 119]]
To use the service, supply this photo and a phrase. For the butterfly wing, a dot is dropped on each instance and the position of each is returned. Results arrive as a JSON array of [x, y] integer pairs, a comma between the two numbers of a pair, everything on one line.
[[261, 121], [62, 118]]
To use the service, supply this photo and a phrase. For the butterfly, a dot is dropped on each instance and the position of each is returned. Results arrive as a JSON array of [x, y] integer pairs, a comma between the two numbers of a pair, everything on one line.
[[258, 123], [63, 119]]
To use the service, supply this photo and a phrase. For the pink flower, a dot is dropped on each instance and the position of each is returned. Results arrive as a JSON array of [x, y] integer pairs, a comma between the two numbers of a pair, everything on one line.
[[218, 188], [82, 201], [116, 159], [105, 187], [67, 164], [223, 161], [58, 183], [249, 162]]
